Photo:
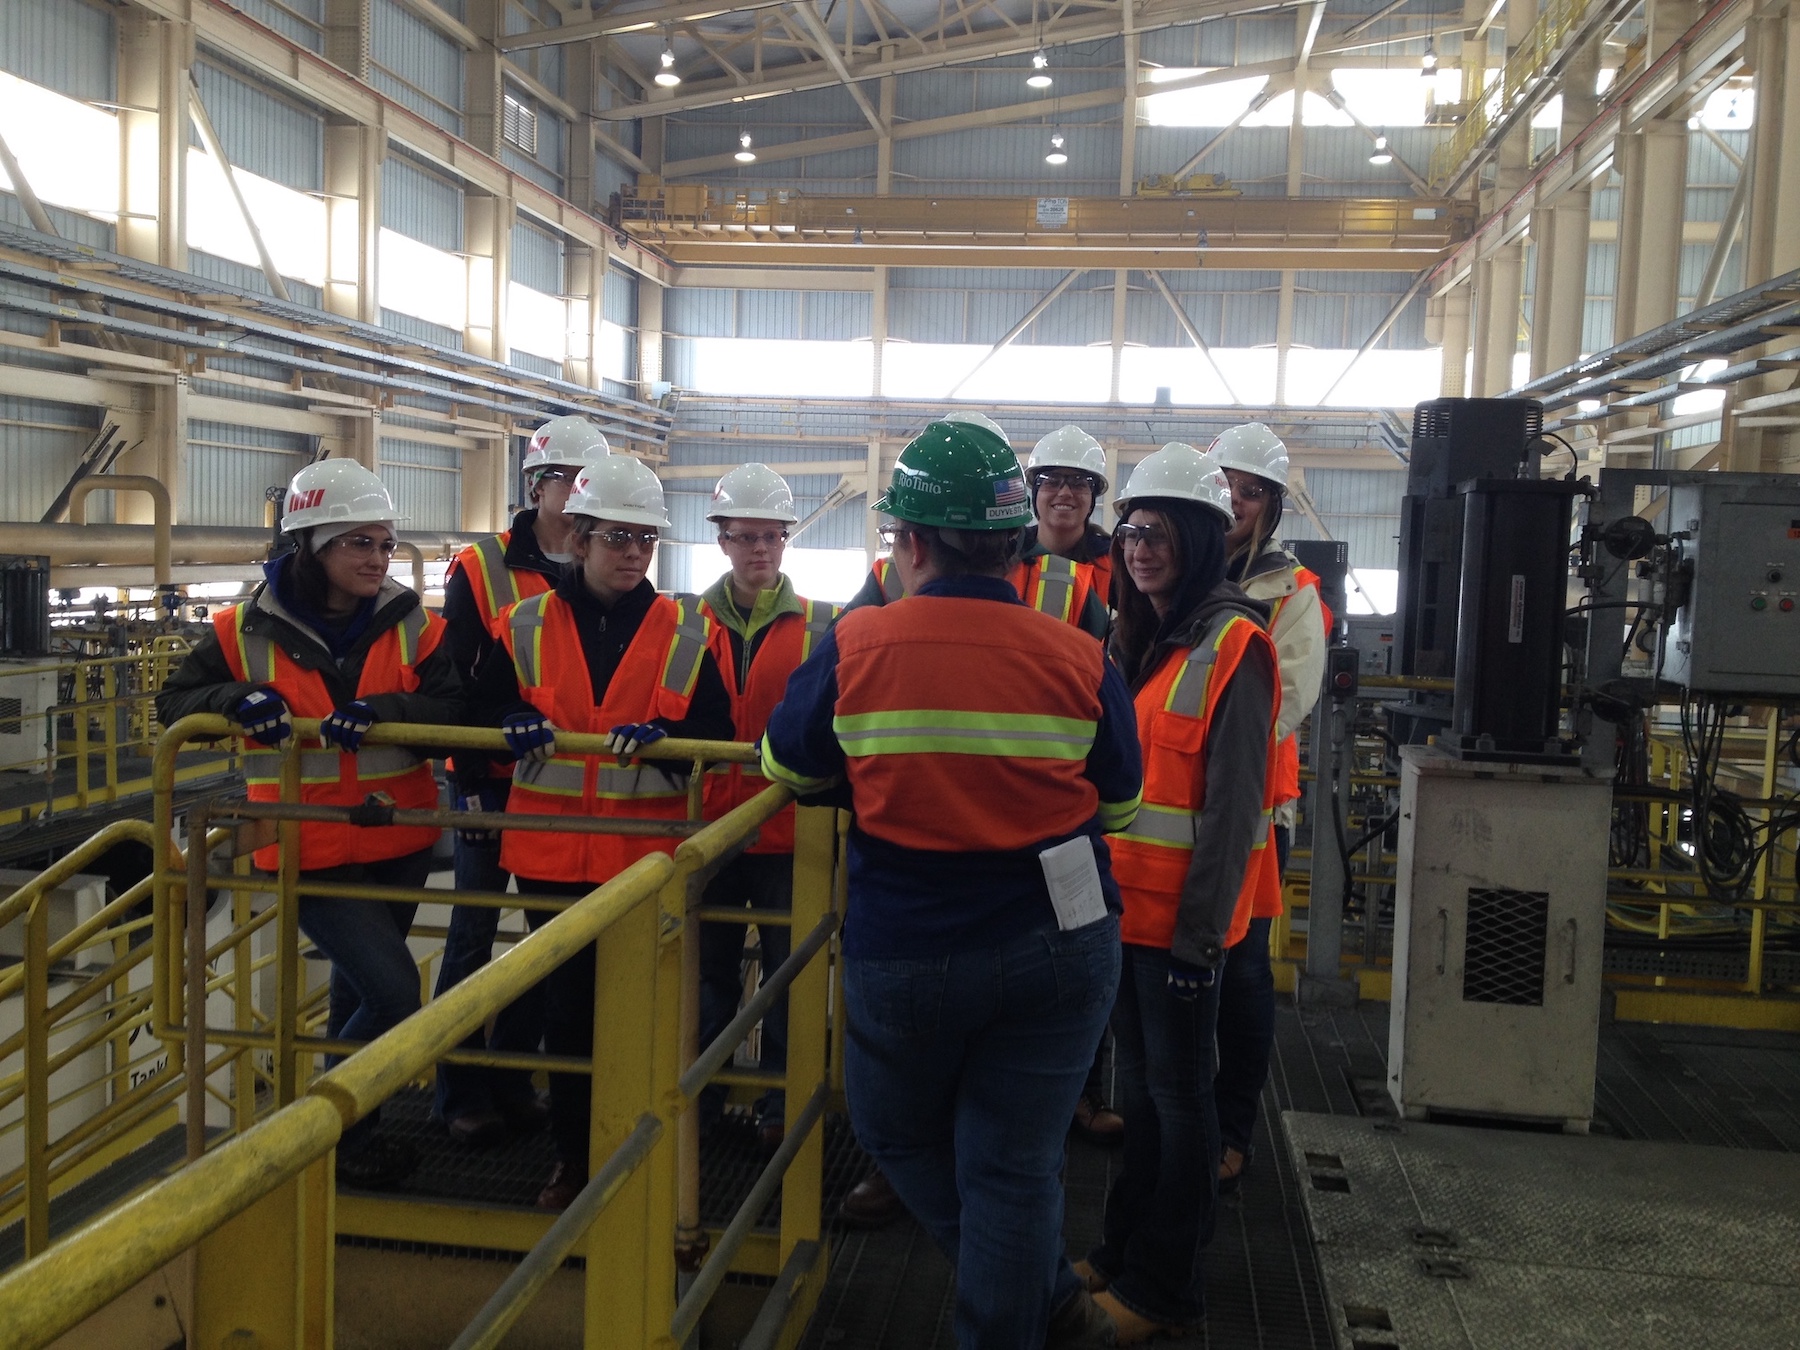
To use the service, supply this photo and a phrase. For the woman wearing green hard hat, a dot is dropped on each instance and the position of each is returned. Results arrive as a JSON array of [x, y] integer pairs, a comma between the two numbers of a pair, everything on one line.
[[987, 747]]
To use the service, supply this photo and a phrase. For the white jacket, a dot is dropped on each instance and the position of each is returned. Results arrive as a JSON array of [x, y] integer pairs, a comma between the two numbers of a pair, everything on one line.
[[1300, 640]]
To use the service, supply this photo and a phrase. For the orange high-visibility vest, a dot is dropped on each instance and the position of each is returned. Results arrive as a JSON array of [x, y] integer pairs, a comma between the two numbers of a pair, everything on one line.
[[1287, 766], [966, 724], [1175, 708], [329, 777], [788, 642], [655, 678], [495, 585], [1102, 579], [1049, 584]]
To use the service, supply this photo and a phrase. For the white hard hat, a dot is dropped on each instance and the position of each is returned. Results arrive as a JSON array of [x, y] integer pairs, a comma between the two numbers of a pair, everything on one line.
[[753, 492], [1068, 448], [571, 440], [619, 488], [975, 419], [1252, 448], [1180, 472], [336, 492]]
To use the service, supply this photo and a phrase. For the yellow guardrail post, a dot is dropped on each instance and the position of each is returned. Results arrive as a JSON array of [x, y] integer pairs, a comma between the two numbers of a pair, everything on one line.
[[815, 871], [37, 1075], [621, 1266]]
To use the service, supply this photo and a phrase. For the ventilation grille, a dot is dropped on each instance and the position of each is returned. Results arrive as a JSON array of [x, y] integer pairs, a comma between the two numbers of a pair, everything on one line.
[[519, 125], [12, 714], [1503, 952]]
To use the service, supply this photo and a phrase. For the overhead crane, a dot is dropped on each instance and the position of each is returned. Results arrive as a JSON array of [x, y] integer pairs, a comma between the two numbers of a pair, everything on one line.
[[697, 225]]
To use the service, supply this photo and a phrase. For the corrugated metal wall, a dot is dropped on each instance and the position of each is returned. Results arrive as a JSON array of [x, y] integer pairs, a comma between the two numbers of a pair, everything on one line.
[[619, 299], [420, 204], [415, 65], [261, 131], [426, 481], [230, 467], [537, 258], [299, 21], [40, 445], [1358, 506], [64, 46]]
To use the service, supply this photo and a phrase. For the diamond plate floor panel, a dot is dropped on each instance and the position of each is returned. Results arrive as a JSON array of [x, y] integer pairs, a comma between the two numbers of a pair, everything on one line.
[[1450, 1236]]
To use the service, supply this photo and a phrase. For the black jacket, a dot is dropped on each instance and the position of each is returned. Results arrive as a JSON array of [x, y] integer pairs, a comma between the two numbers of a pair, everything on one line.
[[605, 634], [469, 639], [203, 683], [1237, 762]]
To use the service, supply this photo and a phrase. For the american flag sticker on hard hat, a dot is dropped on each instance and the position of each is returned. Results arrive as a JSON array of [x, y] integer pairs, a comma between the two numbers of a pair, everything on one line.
[[1009, 492]]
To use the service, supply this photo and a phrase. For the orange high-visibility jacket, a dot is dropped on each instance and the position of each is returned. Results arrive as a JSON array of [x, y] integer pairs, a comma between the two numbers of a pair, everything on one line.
[[329, 777], [1049, 584], [494, 585], [655, 678], [788, 641], [1287, 785], [1175, 708], [926, 685]]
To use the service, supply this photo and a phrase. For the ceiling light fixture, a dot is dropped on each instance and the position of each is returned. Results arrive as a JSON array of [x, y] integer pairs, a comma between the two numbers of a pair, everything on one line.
[[666, 76], [1057, 155], [745, 154], [1040, 71], [1382, 154], [1428, 62]]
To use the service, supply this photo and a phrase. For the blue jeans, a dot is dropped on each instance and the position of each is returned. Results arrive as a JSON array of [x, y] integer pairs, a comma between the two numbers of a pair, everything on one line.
[[763, 881], [1246, 1026], [962, 1073], [374, 979], [1160, 1211], [468, 1089]]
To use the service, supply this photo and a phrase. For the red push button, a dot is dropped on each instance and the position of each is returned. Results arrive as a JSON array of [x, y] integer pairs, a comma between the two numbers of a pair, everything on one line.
[[1787, 604]]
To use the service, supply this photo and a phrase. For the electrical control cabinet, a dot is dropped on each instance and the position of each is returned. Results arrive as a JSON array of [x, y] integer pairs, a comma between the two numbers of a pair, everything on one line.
[[1738, 628]]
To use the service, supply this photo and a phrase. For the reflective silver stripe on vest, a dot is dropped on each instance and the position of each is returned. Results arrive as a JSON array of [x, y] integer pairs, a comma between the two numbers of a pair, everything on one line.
[[259, 654], [1170, 825], [820, 615], [1188, 697], [567, 777], [527, 628], [1056, 585], [497, 576], [682, 667], [411, 631], [891, 589], [321, 766]]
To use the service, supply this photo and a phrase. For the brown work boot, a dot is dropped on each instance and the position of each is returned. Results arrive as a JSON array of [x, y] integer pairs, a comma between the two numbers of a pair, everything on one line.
[[1091, 1280], [1130, 1328], [1098, 1122], [564, 1185], [872, 1203]]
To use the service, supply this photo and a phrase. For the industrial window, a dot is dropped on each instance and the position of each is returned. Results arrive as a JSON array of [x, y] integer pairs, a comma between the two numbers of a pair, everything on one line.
[[519, 125]]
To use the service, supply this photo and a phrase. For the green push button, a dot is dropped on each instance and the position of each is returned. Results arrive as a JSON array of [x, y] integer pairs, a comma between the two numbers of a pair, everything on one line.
[[1758, 602]]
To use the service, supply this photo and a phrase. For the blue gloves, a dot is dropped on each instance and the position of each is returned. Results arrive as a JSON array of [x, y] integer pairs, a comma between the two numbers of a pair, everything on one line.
[[1186, 981], [629, 737], [347, 726], [528, 733], [487, 797], [264, 716]]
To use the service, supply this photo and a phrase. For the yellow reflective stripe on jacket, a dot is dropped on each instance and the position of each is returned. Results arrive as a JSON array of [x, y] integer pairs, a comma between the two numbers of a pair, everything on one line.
[[681, 668], [891, 589], [1055, 589], [820, 615], [774, 769], [321, 766], [944, 731], [528, 639], [496, 577], [1176, 827], [1115, 816], [411, 631]]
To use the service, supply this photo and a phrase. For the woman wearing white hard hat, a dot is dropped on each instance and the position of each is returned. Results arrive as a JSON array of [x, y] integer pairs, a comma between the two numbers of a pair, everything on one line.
[[327, 635], [1067, 476], [477, 1104], [601, 654], [1202, 671], [1255, 463]]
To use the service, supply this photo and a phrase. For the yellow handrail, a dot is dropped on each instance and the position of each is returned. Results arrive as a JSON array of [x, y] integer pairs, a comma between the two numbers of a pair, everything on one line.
[[51, 1293]]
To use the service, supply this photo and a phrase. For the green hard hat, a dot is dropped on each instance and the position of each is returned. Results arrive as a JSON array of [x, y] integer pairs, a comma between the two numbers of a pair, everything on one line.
[[959, 476]]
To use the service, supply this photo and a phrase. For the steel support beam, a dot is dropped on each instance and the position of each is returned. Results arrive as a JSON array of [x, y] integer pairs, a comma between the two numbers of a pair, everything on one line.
[[1031, 316], [210, 139], [1388, 320], [1193, 333], [1454, 379], [808, 19]]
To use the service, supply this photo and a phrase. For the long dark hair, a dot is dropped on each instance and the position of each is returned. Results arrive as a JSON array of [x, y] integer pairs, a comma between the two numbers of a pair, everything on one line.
[[1198, 534], [309, 589], [1240, 562]]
